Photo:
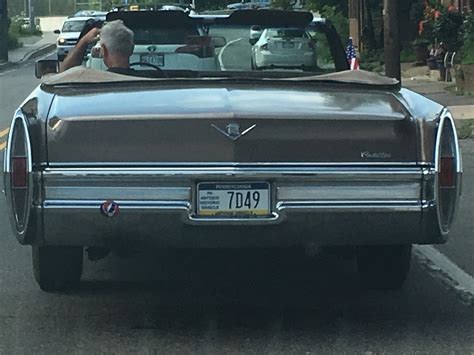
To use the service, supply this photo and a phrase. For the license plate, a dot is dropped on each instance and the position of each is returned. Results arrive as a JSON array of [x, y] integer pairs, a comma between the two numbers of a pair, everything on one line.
[[240, 199], [153, 58], [288, 45]]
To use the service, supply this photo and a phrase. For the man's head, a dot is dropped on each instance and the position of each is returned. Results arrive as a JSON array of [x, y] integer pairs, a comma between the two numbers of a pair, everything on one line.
[[116, 41]]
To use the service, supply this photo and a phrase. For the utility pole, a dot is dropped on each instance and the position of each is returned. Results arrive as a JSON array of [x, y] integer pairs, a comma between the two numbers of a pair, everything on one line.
[[391, 39], [3, 31], [31, 11]]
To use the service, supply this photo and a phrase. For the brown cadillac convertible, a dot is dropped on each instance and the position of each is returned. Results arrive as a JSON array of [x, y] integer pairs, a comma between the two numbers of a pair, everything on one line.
[[231, 158]]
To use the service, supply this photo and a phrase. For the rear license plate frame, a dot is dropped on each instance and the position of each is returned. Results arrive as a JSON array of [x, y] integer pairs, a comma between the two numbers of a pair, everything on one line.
[[217, 199]]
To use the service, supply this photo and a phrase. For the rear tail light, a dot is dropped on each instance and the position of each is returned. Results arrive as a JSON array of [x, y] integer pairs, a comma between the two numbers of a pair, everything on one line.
[[449, 172], [19, 173], [264, 47], [200, 46], [446, 174]]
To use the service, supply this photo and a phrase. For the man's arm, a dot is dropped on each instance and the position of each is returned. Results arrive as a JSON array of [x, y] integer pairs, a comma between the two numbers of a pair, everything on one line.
[[75, 56]]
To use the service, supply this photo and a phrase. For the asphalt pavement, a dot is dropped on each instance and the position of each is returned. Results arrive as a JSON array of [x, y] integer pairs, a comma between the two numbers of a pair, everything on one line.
[[215, 302]]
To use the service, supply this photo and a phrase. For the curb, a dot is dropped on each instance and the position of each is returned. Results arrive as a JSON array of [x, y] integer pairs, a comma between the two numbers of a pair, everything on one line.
[[39, 52], [30, 55], [5, 66]]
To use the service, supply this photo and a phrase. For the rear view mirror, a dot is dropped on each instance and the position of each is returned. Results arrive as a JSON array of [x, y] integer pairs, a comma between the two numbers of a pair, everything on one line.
[[57, 32], [218, 41], [252, 41], [46, 66]]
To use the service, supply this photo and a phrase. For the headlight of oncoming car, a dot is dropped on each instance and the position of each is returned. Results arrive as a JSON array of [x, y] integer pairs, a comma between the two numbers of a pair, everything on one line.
[[61, 40]]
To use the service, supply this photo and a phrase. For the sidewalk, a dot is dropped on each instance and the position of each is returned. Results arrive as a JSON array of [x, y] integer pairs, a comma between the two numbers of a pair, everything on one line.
[[419, 80], [33, 47]]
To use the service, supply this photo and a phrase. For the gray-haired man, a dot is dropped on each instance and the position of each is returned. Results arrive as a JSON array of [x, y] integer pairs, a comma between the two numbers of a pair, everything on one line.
[[116, 42]]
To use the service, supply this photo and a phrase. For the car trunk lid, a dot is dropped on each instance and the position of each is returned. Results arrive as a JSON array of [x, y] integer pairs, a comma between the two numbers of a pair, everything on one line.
[[238, 124]]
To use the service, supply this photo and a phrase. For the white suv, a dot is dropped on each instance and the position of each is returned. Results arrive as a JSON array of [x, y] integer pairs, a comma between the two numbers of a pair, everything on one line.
[[69, 35]]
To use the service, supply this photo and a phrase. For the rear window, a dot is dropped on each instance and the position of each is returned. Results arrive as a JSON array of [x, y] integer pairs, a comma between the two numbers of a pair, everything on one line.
[[286, 33], [163, 35]]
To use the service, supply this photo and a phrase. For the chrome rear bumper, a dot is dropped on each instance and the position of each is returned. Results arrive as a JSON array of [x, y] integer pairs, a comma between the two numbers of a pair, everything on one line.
[[324, 205]]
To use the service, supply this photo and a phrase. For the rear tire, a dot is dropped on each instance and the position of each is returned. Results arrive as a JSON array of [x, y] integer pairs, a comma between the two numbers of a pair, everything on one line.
[[57, 268], [383, 267]]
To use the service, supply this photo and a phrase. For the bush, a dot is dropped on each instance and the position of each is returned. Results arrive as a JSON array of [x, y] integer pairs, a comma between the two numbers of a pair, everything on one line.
[[407, 55], [467, 49], [448, 29], [371, 59], [282, 4], [21, 27], [12, 41], [340, 22]]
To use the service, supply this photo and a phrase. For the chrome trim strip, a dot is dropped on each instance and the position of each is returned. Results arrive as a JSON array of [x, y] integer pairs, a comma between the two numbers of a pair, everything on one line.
[[81, 165], [95, 204], [350, 191], [350, 206], [282, 205], [316, 173], [119, 192]]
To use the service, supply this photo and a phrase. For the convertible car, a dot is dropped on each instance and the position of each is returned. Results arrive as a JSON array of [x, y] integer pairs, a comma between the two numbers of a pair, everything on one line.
[[231, 159]]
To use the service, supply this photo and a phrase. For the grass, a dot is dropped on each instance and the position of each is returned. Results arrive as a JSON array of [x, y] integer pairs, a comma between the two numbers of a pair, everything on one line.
[[464, 128]]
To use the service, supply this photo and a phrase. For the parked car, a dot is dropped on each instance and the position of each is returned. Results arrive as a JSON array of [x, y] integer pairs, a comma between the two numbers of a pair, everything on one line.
[[69, 34], [284, 48], [231, 159], [159, 41]]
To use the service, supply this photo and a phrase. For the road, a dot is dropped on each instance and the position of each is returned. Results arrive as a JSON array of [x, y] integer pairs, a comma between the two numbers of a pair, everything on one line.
[[233, 301]]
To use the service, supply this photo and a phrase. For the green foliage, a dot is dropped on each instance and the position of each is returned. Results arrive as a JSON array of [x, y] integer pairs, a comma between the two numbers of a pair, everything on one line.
[[407, 55], [417, 11], [371, 59], [467, 49], [339, 20], [282, 4], [19, 26], [318, 6], [12, 41], [448, 29]]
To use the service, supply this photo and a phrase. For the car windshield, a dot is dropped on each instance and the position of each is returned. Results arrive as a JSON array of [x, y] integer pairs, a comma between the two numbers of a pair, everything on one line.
[[247, 43], [73, 26]]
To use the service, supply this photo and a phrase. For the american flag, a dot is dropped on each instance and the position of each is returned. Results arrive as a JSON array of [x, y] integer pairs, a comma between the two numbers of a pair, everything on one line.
[[351, 55]]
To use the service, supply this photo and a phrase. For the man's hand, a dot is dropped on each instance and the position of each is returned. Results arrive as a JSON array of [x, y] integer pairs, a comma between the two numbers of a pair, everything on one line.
[[91, 37], [75, 56]]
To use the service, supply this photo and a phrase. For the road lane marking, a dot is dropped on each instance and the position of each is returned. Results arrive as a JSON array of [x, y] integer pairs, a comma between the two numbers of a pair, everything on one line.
[[6, 72], [219, 57], [4, 132], [442, 267], [3, 145]]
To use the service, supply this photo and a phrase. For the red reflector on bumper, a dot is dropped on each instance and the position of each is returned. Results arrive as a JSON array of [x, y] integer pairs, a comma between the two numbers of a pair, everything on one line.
[[446, 175], [18, 172]]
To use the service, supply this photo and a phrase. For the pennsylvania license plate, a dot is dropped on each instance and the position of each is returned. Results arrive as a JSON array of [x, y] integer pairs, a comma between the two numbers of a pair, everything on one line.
[[153, 58], [240, 199]]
